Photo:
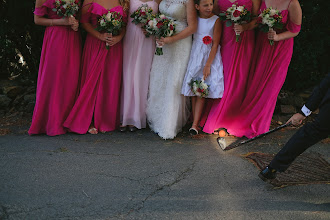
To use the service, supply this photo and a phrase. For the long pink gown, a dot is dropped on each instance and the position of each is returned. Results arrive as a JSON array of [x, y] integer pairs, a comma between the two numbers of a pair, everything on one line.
[[58, 76], [236, 58], [100, 82], [138, 55], [267, 75]]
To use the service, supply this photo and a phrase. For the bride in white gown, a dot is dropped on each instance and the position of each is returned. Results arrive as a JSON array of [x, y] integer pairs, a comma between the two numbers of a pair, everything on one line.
[[167, 109]]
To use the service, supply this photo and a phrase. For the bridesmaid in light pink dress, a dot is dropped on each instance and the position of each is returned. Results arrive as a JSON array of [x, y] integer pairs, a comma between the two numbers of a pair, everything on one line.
[[138, 55], [268, 71], [58, 75], [97, 107], [237, 59]]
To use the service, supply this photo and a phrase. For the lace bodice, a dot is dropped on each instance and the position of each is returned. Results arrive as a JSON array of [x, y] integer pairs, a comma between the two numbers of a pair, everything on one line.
[[176, 10]]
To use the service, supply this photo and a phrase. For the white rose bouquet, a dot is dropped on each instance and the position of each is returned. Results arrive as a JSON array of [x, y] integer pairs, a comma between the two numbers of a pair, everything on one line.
[[236, 14], [199, 87], [66, 8], [270, 18], [112, 22]]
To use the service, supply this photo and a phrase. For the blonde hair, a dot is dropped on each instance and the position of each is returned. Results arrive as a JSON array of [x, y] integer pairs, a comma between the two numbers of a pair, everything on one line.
[[125, 4]]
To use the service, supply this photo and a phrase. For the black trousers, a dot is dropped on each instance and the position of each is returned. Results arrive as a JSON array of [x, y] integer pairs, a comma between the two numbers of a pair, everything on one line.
[[305, 137]]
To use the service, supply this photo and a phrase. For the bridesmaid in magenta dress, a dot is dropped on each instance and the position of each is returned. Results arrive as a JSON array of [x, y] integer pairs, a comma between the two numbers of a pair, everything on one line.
[[138, 55], [268, 71], [58, 75], [236, 58], [97, 106]]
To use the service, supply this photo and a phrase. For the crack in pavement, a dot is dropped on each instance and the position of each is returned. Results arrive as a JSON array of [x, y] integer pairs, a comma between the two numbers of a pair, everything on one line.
[[3, 212], [119, 177], [183, 174]]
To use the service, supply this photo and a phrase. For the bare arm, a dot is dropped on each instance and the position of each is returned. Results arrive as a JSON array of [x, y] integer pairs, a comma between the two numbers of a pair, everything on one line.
[[295, 17], [253, 24], [189, 30], [216, 41], [39, 20]]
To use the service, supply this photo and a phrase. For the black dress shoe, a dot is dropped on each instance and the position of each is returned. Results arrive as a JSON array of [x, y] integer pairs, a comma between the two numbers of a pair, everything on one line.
[[122, 128], [267, 174]]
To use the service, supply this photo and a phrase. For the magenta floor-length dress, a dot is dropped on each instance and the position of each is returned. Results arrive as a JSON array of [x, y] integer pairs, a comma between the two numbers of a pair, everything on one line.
[[58, 75], [98, 100], [267, 75], [236, 58], [138, 55]]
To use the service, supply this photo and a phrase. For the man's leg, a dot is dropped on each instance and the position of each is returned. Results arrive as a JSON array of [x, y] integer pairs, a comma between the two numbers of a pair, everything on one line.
[[306, 136]]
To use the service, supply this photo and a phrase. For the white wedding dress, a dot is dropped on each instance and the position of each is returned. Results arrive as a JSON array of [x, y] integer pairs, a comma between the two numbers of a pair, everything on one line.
[[167, 109]]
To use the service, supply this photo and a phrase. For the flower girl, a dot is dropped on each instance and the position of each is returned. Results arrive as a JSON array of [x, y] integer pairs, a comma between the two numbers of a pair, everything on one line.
[[204, 76]]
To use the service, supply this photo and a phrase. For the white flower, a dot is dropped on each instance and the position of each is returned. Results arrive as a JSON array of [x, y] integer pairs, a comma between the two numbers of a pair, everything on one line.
[[151, 23], [231, 9], [240, 8], [65, 6], [270, 22], [108, 16], [102, 22], [264, 20], [272, 12], [204, 85], [162, 16]]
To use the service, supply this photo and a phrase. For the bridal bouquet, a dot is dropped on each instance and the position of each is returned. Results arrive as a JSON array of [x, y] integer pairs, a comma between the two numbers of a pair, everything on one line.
[[236, 14], [199, 87], [142, 15], [112, 22], [160, 26], [66, 8], [270, 18]]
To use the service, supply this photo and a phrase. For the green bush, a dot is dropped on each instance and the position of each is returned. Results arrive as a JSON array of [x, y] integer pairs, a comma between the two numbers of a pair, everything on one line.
[[311, 57], [19, 37]]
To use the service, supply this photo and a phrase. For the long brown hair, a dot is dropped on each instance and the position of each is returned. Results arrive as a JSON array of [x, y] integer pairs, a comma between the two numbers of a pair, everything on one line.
[[125, 4]]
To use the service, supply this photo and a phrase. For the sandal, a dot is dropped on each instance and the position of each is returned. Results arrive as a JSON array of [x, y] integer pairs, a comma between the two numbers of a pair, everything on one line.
[[193, 131], [93, 130]]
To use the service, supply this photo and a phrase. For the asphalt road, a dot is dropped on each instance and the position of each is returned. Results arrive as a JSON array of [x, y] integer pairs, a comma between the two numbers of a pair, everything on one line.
[[140, 176]]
